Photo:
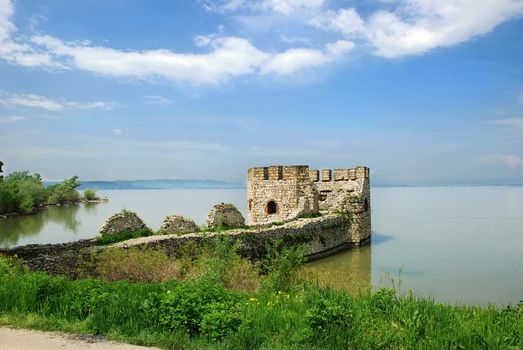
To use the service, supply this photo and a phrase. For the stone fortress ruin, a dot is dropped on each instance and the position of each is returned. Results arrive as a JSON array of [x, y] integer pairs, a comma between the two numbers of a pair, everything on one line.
[[326, 210], [285, 193]]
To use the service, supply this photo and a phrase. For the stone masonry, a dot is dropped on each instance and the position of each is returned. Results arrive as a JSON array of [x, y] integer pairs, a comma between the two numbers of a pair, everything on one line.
[[280, 193], [177, 224], [225, 215], [126, 221], [284, 193]]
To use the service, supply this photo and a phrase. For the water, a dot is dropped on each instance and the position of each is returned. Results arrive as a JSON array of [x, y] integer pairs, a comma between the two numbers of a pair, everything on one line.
[[457, 244]]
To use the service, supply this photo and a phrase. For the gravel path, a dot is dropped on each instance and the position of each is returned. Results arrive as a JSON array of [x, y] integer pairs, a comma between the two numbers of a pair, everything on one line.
[[21, 339]]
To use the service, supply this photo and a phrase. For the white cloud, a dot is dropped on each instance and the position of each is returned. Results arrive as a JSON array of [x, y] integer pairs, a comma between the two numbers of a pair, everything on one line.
[[157, 100], [509, 160], [412, 27], [289, 6], [345, 21], [515, 124], [11, 119], [285, 7], [418, 26], [40, 102], [117, 132], [222, 6], [292, 60]]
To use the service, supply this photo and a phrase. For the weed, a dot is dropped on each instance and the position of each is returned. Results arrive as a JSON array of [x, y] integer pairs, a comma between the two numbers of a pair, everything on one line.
[[122, 236]]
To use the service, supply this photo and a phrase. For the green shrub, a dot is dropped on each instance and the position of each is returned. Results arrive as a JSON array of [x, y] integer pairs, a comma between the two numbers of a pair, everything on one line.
[[21, 193], [90, 194], [329, 310], [147, 265], [187, 305], [282, 265], [123, 236], [64, 192]]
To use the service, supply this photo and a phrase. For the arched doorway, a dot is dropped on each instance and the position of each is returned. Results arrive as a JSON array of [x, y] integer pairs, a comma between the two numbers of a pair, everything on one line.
[[272, 207]]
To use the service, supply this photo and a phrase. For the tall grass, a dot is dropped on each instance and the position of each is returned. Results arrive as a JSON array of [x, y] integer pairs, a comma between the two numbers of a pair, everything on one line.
[[201, 313]]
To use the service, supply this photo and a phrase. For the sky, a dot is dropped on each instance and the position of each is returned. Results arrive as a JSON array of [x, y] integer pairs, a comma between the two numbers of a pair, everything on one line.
[[423, 92]]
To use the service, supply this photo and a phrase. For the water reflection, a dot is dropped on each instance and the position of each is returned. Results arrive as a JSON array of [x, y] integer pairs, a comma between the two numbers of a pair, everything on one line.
[[65, 215], [349, 270], [14, 229], [379, 238]]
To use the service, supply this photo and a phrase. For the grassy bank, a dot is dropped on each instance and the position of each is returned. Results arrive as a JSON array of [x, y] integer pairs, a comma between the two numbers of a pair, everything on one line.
[[202, 304]]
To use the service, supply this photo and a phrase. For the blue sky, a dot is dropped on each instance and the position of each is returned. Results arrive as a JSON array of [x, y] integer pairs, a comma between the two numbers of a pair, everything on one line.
[[421, 91]]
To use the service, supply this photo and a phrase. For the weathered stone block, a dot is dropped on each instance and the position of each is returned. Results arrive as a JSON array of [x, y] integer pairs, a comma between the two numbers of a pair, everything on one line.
[[314, 175], [177, 224], [126, 221], [225, 214], [326, 175]]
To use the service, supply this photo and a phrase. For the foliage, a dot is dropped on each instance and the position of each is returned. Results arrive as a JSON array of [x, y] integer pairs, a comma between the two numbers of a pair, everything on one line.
[[282, 265], [21, 192], [64, 192], [309, 215], [90, 194], [123, 236], [196, 304], [133, 264], [202, 314], [220, 261]]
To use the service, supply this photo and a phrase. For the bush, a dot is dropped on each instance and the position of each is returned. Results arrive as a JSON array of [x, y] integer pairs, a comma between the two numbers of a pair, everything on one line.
[[282, 265], [148, 265], [186, 306], [90, 194], [64, 192], [21, 193]]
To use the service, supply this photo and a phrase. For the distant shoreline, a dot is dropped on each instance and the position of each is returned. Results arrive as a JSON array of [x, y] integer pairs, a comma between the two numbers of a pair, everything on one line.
[[102, 185]]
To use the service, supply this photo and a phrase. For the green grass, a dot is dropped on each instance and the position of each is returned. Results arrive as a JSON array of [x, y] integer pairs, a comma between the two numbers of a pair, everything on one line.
[[220, 229], [202, 314], [123, 236]]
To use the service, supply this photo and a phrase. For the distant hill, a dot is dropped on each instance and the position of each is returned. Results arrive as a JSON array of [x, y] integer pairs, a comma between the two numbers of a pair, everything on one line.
[[157, 184]]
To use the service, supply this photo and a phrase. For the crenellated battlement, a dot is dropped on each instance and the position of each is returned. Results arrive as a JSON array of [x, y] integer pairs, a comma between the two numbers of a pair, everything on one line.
[[279, 172], [347, 174]]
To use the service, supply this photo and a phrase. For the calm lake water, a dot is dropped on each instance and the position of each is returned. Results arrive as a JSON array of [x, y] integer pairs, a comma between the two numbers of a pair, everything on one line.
[[457, 244]]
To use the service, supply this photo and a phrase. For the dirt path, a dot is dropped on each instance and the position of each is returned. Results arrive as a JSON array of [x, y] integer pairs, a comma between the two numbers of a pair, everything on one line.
[[21, 339]]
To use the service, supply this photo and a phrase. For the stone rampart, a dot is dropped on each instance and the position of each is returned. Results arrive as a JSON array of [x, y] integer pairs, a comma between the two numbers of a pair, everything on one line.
[[325, 235]]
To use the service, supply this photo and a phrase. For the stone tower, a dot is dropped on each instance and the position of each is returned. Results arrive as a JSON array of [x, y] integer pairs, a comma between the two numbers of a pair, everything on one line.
[[280, 193], [284, 193]]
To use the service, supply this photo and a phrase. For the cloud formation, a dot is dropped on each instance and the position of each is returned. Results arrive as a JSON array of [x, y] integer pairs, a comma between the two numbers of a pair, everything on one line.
[[40, 102], [509, 160], [407, 27], [11, 119], [515, 124]]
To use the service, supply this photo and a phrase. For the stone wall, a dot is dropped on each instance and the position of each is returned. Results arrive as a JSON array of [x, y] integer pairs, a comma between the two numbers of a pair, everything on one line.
[[325, 235], [293, 191], [346, 190], [279, 193]]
